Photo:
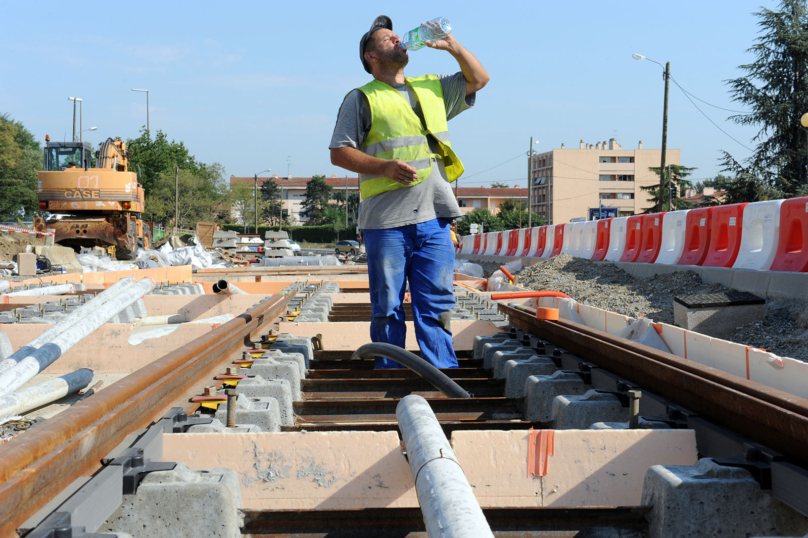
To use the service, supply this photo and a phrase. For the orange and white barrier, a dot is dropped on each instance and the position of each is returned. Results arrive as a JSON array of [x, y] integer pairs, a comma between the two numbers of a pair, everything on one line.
[[673, 237], [759, 235], [18, 230], [617, 239]]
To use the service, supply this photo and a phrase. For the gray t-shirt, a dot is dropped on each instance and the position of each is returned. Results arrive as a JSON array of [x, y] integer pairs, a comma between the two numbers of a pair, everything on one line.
[[433, 197]]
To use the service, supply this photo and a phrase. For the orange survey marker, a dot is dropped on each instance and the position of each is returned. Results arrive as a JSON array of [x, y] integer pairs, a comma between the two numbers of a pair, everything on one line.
[[541, 445], [547, 314]]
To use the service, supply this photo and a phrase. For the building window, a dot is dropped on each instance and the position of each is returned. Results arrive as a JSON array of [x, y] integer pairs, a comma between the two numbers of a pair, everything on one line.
[[625, 159], [461, 203], [476, 204], [625, 195], [606, 196], [605, 159], [625, 178], [605, 178]]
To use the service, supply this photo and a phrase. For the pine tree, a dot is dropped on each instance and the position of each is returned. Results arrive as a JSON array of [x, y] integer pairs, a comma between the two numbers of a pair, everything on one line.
[[270, 193], [775, 90], [675, 175], [318, 195]]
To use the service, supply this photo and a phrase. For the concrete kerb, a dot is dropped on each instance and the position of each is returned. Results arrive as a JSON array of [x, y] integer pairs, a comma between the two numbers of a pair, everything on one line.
[[756, 282], [717, 275], [788, 286]]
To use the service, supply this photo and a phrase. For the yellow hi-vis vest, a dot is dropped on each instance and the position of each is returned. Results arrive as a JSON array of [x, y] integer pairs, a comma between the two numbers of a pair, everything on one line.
[[396, 132]]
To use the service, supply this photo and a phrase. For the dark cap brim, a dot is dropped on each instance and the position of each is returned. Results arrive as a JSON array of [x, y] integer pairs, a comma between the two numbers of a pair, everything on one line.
[[382, 21]]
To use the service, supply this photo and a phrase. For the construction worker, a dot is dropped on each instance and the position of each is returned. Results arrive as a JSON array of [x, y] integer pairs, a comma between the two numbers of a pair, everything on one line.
[[393, 132]]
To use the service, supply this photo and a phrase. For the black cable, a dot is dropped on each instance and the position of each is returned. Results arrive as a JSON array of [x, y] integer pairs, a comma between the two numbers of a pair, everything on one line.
[[711, 121], [496, 166], [710, 104]]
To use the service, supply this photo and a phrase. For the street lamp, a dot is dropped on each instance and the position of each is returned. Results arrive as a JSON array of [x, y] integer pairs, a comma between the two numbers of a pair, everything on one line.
[[256, 197], [530, 153], [667, 76], [148, 131]]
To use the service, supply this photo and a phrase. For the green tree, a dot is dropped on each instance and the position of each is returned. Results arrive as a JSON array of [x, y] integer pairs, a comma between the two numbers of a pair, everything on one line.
[[318, 195], [159, 156], [353, 205], [675, 175], [201, 196], [479, 216], [498, 185], [775, 90], [20, 160], [719, 183], [242, 198], [513, 215], [334, 217], [270, 193]]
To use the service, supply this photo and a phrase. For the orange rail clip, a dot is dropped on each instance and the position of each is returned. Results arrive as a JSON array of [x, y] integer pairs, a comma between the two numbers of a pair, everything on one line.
[[541, 445]]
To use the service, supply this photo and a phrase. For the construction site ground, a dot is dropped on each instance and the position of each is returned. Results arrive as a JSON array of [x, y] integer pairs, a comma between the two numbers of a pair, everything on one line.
[[784, 331], [13, 244]]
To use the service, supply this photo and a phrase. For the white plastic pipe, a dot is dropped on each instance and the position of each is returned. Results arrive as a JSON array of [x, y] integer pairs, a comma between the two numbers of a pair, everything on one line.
[[4, 285], [67, 322], [224, 287], [59, 289], [167, 319], [44, 393], [447, 502], [43, 357]]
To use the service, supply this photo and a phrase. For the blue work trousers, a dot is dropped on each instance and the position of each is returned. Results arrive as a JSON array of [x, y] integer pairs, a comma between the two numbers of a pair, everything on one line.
[[422, 254]]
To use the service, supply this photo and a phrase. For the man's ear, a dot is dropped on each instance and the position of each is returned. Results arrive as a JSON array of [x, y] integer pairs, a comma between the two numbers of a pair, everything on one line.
[[371, 58]]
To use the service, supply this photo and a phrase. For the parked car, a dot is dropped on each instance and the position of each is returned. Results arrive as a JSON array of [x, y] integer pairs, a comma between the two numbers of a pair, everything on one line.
[[294, 247], [347, 247]]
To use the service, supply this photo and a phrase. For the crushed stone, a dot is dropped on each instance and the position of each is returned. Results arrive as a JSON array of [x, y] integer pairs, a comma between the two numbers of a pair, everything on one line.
[[783, 331]]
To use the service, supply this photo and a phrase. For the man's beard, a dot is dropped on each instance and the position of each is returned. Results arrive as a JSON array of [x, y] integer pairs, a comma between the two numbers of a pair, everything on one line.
[[393, 60]]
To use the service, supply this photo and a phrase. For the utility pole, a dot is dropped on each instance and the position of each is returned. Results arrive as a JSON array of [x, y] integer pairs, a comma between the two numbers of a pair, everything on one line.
[[256, 203], [148, 131], [664, 138], [670, 190], [529, 185], [176, 199]]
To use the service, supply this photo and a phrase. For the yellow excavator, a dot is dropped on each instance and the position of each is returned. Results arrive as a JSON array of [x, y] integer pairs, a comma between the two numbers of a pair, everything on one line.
[[89, 207]]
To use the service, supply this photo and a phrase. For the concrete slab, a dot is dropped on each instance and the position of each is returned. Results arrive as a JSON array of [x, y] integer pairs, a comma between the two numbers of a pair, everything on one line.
[[788, 286], [351, 335], [717, 275], [60, 257]]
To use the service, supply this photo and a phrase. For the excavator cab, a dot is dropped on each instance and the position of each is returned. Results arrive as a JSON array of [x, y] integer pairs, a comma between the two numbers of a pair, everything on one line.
[[58, 156]]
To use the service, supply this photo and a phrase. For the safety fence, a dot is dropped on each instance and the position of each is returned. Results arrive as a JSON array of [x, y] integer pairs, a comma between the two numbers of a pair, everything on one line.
[[17, 229], [770, 235], [161, 231]]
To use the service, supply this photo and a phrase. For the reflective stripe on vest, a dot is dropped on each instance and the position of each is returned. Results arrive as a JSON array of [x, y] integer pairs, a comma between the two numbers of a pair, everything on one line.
[[396, 132]]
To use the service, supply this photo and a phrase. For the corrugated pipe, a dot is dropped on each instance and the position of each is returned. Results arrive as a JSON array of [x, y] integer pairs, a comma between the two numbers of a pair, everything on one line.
[[67, 322], [527, 294], [59, 289], [224, 287], [44, 393], [4, 285], [48, 353], [447, 501], [431, 375]]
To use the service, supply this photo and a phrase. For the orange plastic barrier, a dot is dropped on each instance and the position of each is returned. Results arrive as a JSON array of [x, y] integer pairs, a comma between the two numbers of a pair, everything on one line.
[[792, 248], [725, 236], [558, 241], [542, 241], [602, 239], [477, 244], [498, 250], [633, 239], [528, 241], [698, 225], [651, 238], [513, 242]]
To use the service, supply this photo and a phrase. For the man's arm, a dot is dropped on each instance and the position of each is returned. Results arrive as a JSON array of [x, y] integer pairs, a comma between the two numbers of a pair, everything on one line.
[[473, 71], [357, 161]]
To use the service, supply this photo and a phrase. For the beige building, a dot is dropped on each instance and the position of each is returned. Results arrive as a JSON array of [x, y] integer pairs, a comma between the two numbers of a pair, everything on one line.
[[471, 198], [568, 182]]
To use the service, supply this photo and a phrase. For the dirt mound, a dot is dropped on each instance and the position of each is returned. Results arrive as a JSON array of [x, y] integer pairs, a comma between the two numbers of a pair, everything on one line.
[[12, 244]]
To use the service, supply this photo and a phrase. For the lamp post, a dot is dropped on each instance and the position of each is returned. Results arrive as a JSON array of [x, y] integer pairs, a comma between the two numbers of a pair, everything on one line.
[[256, 197], [75, 99], [530, 153], [148, 131], [667, 76]]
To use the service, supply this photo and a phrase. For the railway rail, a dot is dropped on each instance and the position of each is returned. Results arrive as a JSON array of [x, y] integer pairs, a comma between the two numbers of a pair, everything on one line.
[[737, 423]]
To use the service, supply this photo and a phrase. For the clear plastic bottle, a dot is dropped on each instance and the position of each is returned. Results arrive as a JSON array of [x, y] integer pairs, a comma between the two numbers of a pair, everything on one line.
[[414, 39]]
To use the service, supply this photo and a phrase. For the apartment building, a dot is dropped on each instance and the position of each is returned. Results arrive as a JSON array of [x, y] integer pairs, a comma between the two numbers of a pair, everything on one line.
[[568, 182], [471, 198]]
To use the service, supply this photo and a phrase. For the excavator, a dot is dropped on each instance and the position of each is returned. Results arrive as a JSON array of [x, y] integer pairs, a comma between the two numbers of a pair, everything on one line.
[[92, 207]]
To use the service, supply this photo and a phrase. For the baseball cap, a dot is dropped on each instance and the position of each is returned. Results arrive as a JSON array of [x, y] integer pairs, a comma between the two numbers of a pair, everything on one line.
[[382, 21]]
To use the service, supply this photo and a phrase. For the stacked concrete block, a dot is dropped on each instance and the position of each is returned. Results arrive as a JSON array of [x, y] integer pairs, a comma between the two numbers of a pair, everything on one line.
[[541, 391], [181, 502], [517, 373], [225, 239], [262, 412], [579, 412], [276, 245]]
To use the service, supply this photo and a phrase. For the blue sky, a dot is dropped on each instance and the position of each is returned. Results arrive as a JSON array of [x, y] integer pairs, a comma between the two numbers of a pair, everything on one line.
[[255, 85]]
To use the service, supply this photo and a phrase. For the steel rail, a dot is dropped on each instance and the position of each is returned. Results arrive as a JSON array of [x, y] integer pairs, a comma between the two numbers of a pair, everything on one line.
[[44, 461], [769, 416]]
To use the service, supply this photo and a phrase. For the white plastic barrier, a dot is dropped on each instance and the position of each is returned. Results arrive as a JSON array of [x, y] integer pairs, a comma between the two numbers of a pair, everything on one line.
[[534, 243], [504, 248], [617, 239], [566, 243], [467, 244], [520, 245], [491, 243], [576, 241], [589, 239], [548, 244], [759, 236], [673, 237]]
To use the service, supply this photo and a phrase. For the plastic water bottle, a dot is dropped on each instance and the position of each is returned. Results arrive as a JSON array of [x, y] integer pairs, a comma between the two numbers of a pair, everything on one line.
[[414, 39]]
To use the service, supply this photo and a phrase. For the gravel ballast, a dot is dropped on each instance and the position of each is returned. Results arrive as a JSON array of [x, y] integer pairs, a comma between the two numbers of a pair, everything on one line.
[[784, 330]]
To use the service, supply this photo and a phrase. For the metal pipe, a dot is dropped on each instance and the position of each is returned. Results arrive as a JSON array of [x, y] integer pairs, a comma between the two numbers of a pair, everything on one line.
[[44, 393], [431, 375], [447, 501], [4, 285], [232, 396], [59, 289], [43, 357], [224, 287], [67, 322]]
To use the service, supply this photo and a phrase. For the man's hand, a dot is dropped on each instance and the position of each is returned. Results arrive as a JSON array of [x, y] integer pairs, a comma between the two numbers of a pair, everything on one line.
[[445, 43], [475, 74], [400, 172]]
